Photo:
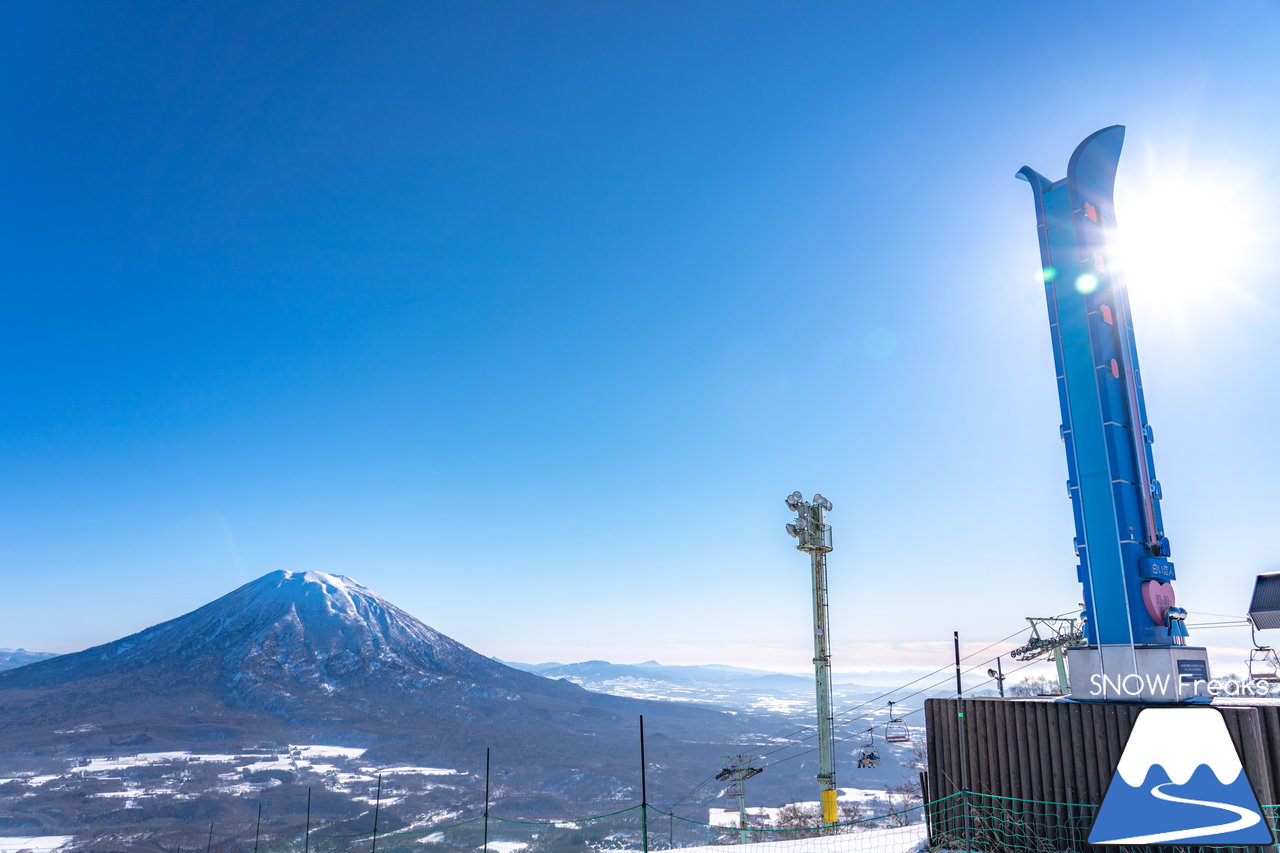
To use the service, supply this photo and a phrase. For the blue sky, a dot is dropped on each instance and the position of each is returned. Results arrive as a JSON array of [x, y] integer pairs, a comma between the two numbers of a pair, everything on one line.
[[528, 316]]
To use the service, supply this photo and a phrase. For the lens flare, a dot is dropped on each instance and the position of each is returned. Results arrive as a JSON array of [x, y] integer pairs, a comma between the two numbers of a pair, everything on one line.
[[1086, 282], [1185, 239]]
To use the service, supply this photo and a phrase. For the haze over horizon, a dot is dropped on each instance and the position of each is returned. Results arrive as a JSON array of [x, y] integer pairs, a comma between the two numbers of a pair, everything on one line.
[[529, 317]]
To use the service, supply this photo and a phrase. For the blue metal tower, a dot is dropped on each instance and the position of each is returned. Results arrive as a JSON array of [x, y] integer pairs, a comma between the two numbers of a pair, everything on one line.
[[1135, 632]]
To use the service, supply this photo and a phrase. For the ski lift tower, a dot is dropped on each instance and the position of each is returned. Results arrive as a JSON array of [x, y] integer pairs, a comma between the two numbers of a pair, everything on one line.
[[1135, 635], [814, 536], [1051, 635], [738, 769]]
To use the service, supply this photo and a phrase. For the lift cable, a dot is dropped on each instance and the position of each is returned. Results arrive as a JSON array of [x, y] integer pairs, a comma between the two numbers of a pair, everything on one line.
[[892, 692], [875, 699], [978, 686]]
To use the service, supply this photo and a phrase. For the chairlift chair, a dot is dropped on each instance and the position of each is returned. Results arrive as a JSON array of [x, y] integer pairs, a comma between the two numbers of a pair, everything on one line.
[[1264, 665], [895, 731], [1264, 614], [868, 756]]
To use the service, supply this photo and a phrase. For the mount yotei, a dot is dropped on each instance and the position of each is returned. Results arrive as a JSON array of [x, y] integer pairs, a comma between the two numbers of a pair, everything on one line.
[[307, 653], [311, 658]]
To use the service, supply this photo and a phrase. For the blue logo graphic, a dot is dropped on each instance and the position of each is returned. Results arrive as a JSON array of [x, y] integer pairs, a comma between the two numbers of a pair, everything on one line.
[[1180, 781]]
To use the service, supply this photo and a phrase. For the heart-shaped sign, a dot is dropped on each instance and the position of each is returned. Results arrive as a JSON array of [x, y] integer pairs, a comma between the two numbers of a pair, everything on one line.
[[1158, 596]]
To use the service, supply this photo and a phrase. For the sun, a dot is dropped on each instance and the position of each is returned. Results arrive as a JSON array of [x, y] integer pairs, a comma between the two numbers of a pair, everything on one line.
[[1186, 241]]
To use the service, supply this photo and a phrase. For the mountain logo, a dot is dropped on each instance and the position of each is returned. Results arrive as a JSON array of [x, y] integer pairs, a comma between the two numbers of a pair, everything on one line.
[[1180, 781]]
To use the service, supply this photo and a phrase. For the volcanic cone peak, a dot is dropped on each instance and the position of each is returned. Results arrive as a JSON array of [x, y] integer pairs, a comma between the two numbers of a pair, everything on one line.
[[313, 628]]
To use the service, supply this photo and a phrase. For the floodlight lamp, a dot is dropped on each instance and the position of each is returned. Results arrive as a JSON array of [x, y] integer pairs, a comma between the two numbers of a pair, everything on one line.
[[992, 673], [822, 502], [793, 530], [794, 500]]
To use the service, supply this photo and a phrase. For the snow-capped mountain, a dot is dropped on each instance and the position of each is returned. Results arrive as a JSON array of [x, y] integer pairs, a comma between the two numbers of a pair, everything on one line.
[[288, 640], [200, 717], [308, 657], [306, 648]]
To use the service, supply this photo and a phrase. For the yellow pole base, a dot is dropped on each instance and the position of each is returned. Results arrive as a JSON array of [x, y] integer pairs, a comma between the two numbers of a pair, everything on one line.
[[829, 811]]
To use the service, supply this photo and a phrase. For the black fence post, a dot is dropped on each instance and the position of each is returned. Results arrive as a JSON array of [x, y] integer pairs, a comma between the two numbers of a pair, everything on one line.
[[307, 847], [644, 792], [964, 748], [257, 832], [486, 799], [377, 806], [210, 847]]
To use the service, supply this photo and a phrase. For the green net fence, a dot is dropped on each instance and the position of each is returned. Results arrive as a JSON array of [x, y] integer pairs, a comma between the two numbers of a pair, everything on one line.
[[994, 824], [980, 823], [631, 829]]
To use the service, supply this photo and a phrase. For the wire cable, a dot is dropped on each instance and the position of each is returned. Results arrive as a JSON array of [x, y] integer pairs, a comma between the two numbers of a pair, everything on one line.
[[811, 728]]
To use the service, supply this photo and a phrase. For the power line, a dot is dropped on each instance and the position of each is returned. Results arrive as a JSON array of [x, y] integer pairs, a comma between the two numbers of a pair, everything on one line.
[[895, 690], [978, 686], [880, 697]]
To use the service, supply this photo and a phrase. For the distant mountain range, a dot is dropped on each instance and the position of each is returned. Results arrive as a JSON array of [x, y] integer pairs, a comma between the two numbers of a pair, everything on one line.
[[712, 684], [13, 658]]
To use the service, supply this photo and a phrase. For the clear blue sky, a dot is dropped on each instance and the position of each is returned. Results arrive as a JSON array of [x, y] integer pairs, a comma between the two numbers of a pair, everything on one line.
[[527, 316]]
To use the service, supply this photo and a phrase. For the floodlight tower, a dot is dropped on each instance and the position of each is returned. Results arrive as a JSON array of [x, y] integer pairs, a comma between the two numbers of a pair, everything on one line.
[[814, 535]]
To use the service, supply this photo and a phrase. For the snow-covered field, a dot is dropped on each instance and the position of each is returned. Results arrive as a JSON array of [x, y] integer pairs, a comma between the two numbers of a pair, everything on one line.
[[42, 843], [130, 780], [872, 801], [897, 839], [162, 774]]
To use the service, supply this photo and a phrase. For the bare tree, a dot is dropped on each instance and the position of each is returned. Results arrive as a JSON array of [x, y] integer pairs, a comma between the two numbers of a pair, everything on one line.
[[850, 813], [918, 756], [801, 821], [902, 797], [1035, 687]]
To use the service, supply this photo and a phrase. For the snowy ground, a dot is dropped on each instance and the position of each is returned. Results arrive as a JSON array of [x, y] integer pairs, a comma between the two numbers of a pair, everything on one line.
[[128, 779], [131, 780], [872, 800], [342, 768], [24, 843], [898, 839]]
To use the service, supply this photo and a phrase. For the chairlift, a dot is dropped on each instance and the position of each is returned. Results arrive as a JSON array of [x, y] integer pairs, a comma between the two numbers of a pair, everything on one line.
[[895, 731], [1264, 613], [869, 756], [1264, 665]]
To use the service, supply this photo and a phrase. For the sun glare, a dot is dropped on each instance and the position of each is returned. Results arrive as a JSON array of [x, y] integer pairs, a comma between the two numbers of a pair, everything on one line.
[[1186, 242]]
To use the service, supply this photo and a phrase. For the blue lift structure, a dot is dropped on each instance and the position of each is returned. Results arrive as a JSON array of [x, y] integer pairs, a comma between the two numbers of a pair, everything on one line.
[[1135, 633]]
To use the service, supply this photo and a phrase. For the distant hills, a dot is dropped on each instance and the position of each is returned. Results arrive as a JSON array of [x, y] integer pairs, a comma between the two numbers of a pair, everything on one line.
[[13, 658], [712, 684]]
